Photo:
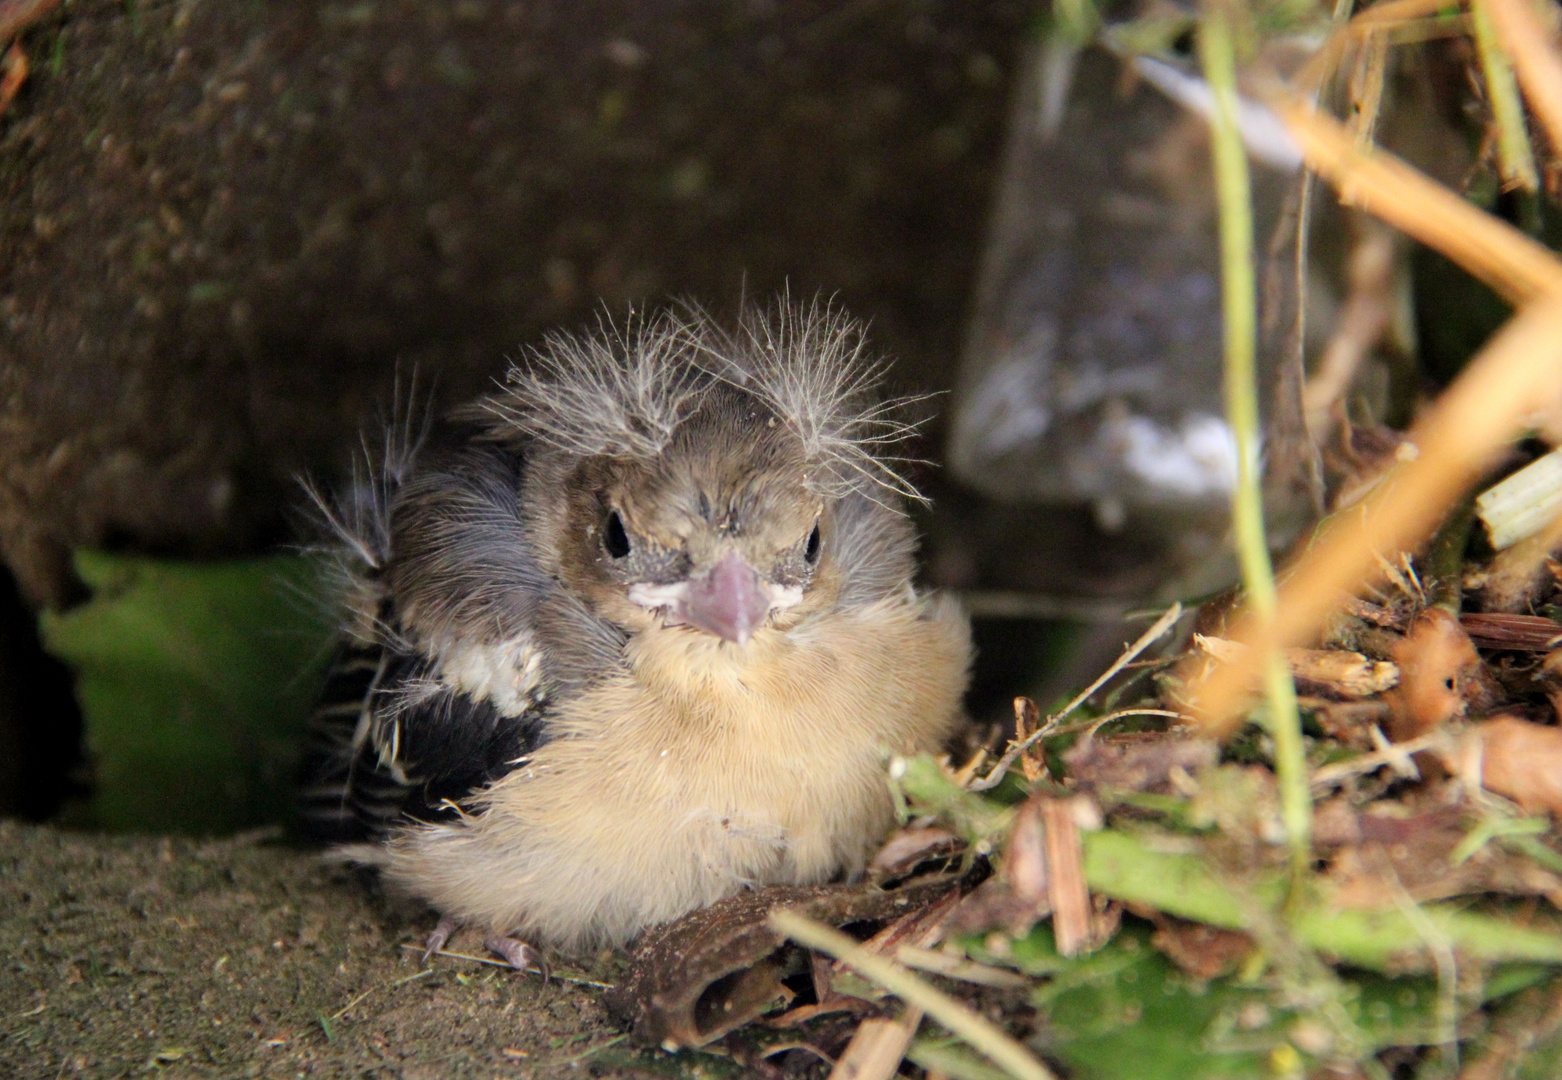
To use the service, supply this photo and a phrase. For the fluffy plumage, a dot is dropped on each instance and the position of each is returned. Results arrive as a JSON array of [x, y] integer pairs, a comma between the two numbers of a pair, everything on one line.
[[644, 640]]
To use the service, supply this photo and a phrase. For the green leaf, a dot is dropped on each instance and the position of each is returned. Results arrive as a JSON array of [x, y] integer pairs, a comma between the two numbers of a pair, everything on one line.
[[1125, 1012], [195, 681]]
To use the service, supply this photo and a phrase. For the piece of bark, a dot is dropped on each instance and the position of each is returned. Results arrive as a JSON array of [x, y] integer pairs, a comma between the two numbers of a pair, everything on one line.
[[878, 1047], [693, 980], [1066, 888], [907, 848], [1525, 633]]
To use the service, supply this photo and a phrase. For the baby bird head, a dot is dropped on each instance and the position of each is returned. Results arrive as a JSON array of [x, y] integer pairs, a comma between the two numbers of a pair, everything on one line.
[[722, 483], [720, 531]]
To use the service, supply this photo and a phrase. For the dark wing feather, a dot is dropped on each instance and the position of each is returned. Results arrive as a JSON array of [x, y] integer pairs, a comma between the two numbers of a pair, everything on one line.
[[389, 742], [390, 738]]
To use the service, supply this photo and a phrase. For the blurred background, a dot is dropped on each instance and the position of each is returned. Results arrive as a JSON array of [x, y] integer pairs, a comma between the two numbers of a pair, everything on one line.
[[227, 228]]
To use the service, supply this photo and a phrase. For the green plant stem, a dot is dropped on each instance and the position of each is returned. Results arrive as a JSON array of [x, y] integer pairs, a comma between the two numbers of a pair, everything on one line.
[[1239, 295], [1515, 156]]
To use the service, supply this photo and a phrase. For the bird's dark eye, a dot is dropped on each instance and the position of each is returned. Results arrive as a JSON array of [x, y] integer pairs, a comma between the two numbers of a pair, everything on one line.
[[614, 539], [811, 552]]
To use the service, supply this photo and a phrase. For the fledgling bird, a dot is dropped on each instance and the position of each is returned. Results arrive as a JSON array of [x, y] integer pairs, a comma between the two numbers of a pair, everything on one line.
[[644, 640]]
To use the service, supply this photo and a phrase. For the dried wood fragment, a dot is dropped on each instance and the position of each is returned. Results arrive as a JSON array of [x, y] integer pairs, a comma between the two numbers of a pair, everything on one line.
[[1376, 614], [1348, 674], [877, 1048], [1495, 630], [1066, 888], [1027, 721], [702, 976], [1517, 574]]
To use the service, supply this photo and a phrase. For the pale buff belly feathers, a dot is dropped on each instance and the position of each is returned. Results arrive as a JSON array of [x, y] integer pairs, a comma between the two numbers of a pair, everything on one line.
[[710, 768]]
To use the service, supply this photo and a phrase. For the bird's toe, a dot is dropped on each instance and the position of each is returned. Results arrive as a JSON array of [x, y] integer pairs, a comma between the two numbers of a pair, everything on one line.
[[440, 934], [519, 955]]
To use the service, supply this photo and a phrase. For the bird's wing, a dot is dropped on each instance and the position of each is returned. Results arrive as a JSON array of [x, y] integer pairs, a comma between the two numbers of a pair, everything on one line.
[[392, 739], [442, 689]]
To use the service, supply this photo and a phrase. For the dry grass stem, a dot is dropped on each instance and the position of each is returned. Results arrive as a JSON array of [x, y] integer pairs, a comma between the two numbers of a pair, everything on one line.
[[1346, 673], [1366, 87], [492, 962], [1161, 626], [1519, 268], [1367, 314], [1395, 755], [1518, 373], [1515, 156], [1377, 19], [982, 1034], [957, 967]]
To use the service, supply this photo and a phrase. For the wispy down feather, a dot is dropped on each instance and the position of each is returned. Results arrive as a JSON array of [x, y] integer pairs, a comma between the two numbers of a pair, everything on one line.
[[810, 366], [624, 391], [354, 521], [620, 391]]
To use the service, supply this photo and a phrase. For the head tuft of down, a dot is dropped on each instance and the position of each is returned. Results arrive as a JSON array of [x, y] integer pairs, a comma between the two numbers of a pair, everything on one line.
[[624, 391]]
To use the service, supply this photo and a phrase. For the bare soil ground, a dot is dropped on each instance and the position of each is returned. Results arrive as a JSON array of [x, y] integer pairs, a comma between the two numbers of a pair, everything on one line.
[[125, 956]]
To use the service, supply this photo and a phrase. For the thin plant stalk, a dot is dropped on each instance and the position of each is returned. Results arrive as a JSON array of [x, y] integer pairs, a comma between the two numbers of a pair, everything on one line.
[[978, 1031], [1515, 157], [1530, 41], [1239, 295], [1517, 266]]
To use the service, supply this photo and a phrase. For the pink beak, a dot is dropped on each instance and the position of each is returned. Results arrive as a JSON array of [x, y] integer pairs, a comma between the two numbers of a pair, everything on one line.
[[728, 601]]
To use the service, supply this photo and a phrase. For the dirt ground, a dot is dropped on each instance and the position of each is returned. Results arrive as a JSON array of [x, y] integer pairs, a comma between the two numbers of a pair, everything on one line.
[[124, 956]]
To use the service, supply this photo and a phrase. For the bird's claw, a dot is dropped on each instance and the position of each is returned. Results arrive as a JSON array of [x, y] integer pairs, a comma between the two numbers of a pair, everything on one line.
[[518, 955], [437, 938]]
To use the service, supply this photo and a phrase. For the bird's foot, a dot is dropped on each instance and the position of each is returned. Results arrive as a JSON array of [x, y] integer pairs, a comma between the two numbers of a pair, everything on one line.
[[519, 955], [440, 935]]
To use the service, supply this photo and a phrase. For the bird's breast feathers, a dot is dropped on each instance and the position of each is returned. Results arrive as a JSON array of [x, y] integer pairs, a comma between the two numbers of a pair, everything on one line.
[[703, 768]]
